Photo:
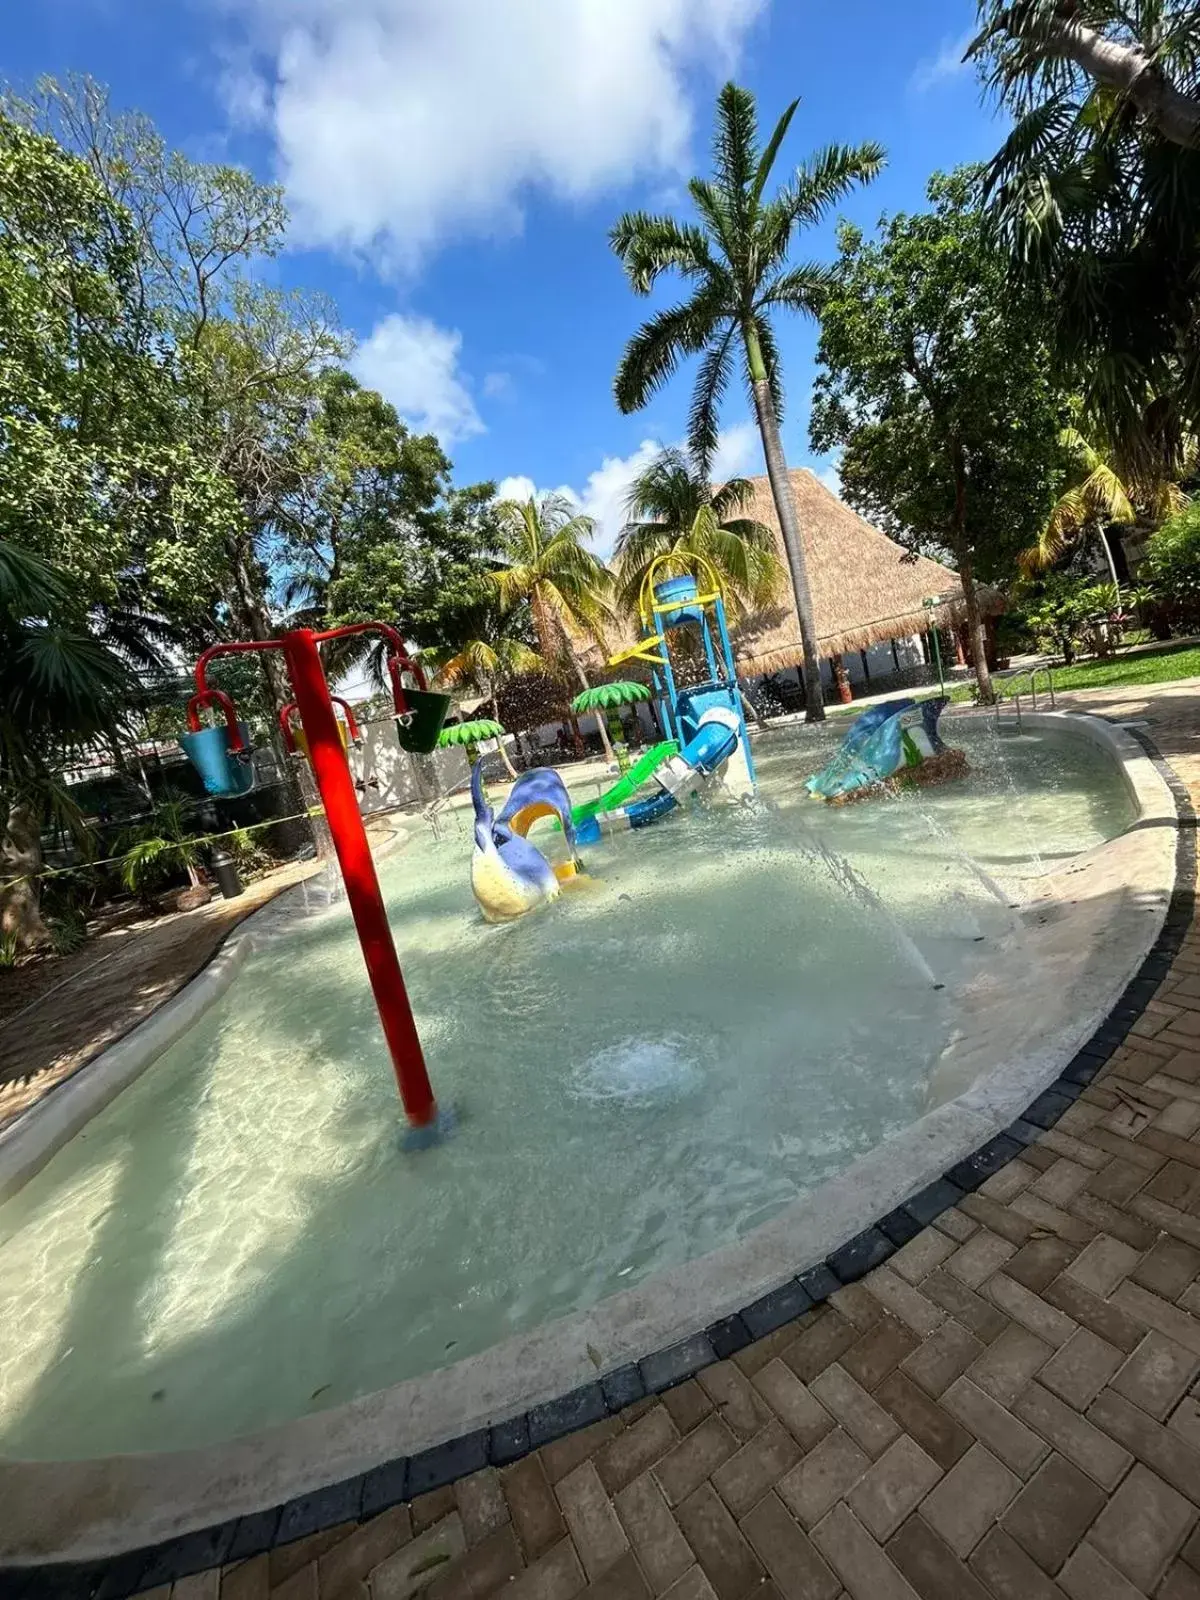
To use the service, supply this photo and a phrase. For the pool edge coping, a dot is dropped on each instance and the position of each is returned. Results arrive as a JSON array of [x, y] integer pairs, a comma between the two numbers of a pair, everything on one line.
[[373, 1489]]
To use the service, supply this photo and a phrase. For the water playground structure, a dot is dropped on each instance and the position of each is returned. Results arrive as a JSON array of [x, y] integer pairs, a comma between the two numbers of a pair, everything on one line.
[[707, 751], [223, 1185], [221, 755], [890, 746]]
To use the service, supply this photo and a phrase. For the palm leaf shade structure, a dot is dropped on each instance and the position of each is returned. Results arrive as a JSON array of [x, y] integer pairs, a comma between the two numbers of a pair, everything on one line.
[[734, 261], [470, 734], [607, 698]]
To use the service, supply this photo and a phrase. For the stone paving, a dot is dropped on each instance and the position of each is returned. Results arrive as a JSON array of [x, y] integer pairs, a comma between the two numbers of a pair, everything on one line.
[[1008, 1410]]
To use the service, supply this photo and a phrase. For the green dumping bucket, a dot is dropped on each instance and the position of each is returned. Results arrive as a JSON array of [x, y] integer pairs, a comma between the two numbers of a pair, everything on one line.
[[420, 736]]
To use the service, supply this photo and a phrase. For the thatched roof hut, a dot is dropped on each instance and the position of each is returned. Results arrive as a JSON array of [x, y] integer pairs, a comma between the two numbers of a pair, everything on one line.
[[865, 587]]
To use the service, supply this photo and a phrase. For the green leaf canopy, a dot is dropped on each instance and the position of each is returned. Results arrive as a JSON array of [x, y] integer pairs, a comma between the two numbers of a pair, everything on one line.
[[604, 696], [470, 732]]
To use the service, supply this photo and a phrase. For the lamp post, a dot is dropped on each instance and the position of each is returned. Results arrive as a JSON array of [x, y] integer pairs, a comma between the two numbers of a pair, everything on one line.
[[929, 604]]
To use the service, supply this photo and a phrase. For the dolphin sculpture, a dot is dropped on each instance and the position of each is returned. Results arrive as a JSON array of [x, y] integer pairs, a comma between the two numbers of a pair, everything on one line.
[[509, 876], [897, 742]]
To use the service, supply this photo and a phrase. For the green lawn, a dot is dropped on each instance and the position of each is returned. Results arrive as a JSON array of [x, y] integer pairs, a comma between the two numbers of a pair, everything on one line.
[[1167, 665], [1148, 666]]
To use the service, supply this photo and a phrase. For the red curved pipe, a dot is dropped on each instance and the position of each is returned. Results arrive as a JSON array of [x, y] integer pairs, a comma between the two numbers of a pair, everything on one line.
[[285, 727], [351, 725], [215, 697]]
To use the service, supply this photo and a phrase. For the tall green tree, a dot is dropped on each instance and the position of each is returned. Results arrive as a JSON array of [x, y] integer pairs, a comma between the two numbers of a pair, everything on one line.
[[491, 647], [99, 466], [933, 382], [672, 508], [734, 259], [246, 358], [1095, 194], [548, 564]]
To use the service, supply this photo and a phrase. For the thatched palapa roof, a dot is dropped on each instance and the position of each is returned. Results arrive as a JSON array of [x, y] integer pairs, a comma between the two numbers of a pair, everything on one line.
[[865, 588]]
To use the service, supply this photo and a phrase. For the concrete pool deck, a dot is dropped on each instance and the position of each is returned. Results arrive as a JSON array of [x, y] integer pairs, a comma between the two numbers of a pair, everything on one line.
[[925, 1426]]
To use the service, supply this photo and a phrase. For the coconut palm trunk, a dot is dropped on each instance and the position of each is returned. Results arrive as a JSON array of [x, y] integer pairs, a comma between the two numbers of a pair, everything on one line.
[[789, 523], [492, 696], [610, 754]]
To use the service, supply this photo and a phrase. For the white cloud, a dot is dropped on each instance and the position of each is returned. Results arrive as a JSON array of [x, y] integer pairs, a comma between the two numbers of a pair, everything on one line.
[[607, 490], [414, 364], [518, 488], [603, 497], [498, 385], [738, 453], [401, 123], [937, 69]]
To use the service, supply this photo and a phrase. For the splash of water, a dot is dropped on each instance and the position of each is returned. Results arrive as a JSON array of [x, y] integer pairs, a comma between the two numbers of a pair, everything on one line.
[[638, 1071], [1018, 802], [852, 882]]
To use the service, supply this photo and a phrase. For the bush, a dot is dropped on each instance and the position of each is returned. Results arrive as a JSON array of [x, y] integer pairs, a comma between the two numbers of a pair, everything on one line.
[[1065, 609], [67, 934], [1172, 565]]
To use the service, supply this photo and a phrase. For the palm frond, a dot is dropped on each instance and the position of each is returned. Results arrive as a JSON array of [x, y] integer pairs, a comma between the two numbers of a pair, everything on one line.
[[29, 586], [648, 246], [658, 347], [767, 159], [704, 414], [826, 178]]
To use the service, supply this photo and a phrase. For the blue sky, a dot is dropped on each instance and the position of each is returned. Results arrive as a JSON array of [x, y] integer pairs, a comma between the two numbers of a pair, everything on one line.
[[453, 167]]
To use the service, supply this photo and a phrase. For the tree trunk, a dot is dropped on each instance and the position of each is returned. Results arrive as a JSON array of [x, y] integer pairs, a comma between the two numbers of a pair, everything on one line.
[[1124, 67], [20, 900], [785, 510], [975, 634], [609, 753], [554, 640], [1112, 564], [494, 700], [966, 573]]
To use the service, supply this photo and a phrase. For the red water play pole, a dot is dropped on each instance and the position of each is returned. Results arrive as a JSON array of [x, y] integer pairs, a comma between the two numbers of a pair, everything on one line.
[[336, 788]]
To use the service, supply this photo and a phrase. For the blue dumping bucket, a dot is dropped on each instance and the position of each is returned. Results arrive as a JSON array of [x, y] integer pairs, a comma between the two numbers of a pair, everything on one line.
[[673, 592], [223, 774]]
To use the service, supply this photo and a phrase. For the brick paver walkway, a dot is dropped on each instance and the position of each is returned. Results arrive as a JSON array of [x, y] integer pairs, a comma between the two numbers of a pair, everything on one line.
[[1010, 1408]]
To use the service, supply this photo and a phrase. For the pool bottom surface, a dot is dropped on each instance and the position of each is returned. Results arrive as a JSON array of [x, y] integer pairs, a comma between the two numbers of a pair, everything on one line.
[[734, 1007]]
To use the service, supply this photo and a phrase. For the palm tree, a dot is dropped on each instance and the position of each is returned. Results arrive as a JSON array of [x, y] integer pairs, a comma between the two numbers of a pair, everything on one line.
[[672, 508], [1094, 195], [565, 584], [735, 261], [489, 652], [62, 687], [1105, 489]]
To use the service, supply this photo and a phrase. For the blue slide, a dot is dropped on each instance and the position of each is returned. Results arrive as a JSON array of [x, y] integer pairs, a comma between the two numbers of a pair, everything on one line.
[[713, 744]]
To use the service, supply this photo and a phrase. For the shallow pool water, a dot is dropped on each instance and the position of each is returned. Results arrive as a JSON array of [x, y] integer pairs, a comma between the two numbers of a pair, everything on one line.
[[736, 1005]]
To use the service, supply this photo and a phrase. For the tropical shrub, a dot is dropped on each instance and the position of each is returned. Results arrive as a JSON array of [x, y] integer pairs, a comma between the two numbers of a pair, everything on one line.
[[1172, 566]]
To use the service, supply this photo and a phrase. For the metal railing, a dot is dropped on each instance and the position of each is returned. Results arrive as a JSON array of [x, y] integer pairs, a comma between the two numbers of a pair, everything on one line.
[[1031, 674]]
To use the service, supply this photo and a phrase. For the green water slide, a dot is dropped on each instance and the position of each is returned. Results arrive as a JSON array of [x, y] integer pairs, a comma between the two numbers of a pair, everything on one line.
[[626, 787]]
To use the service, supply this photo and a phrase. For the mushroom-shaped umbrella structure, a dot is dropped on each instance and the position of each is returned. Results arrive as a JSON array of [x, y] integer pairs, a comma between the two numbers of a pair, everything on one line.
[[469, 732], [608, 696], [604, 699]]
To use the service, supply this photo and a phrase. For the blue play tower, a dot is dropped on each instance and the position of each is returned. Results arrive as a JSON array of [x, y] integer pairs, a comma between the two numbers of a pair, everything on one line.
[[706, 731]]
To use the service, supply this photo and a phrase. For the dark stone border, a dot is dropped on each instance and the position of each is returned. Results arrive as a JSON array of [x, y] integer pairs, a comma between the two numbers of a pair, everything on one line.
[[371, 1492]]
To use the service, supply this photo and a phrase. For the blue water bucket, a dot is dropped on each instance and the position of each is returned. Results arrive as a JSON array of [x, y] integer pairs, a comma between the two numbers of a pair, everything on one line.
[[673, 592], [223, 774]]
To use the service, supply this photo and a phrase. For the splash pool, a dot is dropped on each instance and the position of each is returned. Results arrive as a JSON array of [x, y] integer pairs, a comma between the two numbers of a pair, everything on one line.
[[738, 1006]]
